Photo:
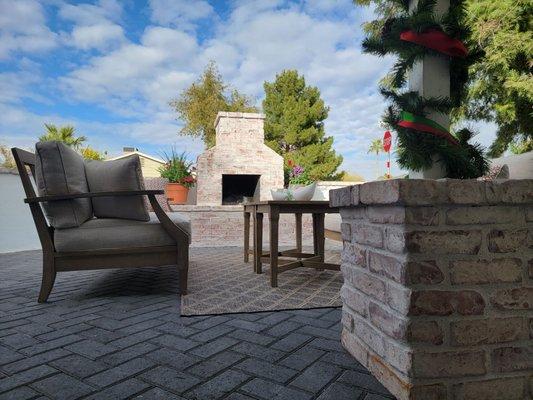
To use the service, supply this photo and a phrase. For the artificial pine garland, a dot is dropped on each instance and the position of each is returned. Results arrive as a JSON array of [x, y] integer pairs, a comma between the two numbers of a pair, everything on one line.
[[411, 35]]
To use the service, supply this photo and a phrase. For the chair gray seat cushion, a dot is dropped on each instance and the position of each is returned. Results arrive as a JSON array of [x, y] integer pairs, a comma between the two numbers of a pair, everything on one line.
[[332, 222], [114, 233]]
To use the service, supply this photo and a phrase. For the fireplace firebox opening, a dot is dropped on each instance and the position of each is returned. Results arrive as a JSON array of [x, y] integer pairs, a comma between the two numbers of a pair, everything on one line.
[[236, 187]]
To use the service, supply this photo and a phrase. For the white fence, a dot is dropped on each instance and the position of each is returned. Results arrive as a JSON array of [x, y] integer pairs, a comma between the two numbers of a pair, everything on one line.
[[17, 231]]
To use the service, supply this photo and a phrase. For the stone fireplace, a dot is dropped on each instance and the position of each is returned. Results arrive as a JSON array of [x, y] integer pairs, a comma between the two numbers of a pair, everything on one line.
[[240, 164]]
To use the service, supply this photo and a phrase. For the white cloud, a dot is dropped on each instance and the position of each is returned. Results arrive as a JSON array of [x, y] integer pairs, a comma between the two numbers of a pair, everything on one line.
[[126, 81], [19, 127], [255, 40], [15, 86], [23, 28], [98, 36], [182, 14], [321, 6], [96, 26], [91, 14]]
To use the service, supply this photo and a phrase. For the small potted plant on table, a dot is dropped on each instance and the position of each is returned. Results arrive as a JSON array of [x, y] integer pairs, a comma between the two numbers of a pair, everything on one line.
[[177, 170], [301, 186]]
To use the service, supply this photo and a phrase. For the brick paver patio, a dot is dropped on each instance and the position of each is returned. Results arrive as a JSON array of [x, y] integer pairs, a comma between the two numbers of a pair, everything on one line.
[[118, 334]]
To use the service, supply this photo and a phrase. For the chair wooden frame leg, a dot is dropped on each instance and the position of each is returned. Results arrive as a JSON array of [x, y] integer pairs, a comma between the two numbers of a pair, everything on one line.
[[49, 277], [183, 265]]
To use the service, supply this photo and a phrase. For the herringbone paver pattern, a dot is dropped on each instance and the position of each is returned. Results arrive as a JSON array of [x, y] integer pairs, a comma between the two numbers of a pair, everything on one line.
[[118, 335]]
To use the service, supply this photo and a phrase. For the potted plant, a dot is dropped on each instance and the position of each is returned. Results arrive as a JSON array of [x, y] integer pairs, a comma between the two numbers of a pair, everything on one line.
[[300, 186], [298, 176], [177, 170]]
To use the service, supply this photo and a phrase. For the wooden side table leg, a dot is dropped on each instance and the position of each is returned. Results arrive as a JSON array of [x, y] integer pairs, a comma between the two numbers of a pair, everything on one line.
[[298, 217], [258, 242], [274, 228], [315, 234], [246, 236], [321, 236]]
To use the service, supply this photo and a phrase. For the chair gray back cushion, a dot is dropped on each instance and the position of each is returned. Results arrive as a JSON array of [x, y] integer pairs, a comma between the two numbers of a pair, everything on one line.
[[114, 175], [60, 170]]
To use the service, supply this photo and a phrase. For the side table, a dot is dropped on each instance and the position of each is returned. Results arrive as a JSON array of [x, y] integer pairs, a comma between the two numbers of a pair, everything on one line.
[[281, 261]]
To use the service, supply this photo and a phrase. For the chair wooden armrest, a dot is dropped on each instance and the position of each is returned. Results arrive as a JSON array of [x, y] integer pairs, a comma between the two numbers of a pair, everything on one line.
[[71, 196], [179, 234]]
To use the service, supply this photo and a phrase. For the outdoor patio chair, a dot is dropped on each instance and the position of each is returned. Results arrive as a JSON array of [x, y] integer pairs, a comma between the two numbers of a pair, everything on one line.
[[100, 243]]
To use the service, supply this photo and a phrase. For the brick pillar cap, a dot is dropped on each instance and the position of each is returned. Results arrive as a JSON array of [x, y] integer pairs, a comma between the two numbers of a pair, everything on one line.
[[424, 192], [227, 114]]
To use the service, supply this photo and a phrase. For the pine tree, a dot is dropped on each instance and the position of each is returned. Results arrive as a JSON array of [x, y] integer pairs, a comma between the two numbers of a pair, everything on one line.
[[501, 88], [294, 125]]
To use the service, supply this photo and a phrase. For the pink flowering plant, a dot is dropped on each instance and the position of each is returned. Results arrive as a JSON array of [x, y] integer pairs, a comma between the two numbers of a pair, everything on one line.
[[297, 174], [177, 169]]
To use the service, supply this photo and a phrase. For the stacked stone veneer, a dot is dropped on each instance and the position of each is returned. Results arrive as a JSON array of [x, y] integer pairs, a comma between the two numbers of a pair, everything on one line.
[[438, 292], [239, 150]]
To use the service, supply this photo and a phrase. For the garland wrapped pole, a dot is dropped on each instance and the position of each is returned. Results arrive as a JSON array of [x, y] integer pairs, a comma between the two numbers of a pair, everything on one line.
[[430, 77], [426, 85]]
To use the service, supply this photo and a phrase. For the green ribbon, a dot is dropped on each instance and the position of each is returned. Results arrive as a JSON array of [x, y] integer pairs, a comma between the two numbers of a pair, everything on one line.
[[407, 116]]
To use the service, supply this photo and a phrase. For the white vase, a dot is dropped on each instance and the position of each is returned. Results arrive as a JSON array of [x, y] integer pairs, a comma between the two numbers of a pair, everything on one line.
[[304, 193], [279, 194], [294, 192]]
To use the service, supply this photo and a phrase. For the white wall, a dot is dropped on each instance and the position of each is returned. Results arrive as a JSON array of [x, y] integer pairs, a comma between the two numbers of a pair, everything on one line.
[[17, 231], [323, 188]]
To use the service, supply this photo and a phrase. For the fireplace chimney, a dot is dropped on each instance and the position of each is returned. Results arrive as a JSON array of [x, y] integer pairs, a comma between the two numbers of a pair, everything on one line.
[[240, 164]]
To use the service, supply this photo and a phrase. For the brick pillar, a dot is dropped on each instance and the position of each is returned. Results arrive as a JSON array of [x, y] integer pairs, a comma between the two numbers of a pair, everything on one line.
[[438, 286]]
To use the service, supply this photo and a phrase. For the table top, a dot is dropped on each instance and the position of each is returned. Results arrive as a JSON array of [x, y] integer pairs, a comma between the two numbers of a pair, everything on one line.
[[285, 202], [290, 206]]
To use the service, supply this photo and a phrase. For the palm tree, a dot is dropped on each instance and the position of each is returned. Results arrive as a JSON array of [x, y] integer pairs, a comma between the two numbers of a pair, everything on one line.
[[63, 134], [376, 147]]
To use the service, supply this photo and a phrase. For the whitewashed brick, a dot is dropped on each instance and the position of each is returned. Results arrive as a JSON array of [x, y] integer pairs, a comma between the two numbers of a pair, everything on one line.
[[484, 215], [498, 270], [239, 149]]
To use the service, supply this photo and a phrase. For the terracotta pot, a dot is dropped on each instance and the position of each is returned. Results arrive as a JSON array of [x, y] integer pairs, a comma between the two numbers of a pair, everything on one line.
[[176, 193]]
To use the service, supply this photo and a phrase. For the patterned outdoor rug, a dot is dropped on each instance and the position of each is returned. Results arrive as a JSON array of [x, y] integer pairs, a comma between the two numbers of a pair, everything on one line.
[[222, 283]]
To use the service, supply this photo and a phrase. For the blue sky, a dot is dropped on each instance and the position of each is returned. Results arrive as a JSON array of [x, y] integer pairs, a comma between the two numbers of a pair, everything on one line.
[[110, 67]]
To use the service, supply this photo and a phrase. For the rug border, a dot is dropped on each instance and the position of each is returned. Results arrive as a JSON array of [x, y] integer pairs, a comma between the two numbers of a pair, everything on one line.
[[257, 312]]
